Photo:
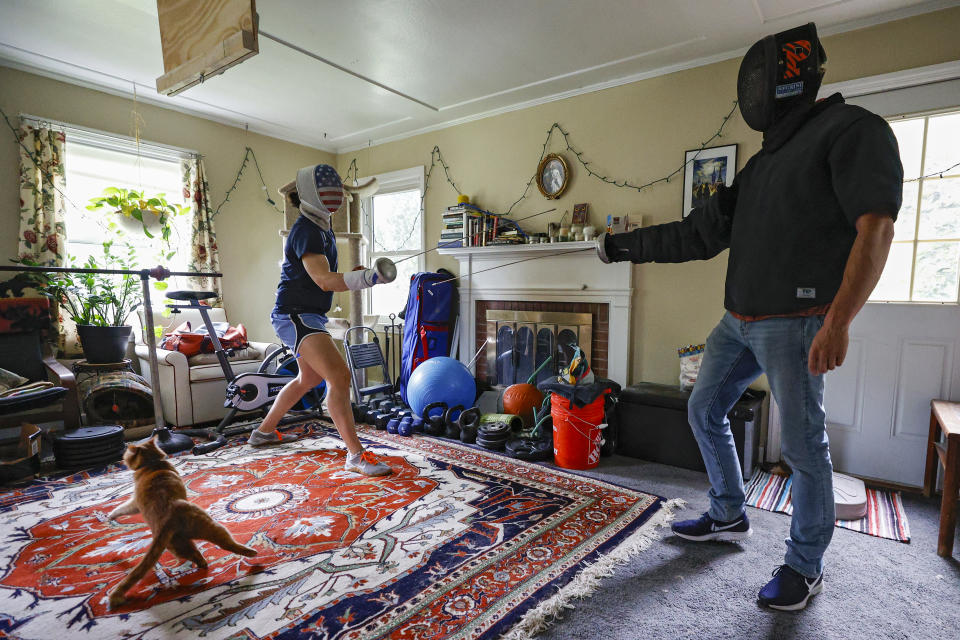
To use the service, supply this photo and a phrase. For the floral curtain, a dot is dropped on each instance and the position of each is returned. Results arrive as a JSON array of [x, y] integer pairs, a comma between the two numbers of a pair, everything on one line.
[[43, 236], [204, 255]]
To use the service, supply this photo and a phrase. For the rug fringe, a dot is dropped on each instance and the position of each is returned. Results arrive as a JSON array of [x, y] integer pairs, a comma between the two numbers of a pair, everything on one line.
[[585, 584]]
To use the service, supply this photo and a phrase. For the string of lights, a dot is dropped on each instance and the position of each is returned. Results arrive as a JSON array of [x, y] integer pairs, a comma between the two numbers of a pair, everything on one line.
[[935, 174], [248, 154], [436, 157], [625, 184]]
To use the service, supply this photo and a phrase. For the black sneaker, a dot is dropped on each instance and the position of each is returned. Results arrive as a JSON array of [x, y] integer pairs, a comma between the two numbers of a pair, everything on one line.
[[706, 528], [789, 590]]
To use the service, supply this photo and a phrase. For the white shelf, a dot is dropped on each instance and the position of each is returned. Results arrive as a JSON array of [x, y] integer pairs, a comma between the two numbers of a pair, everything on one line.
[[518, 250]]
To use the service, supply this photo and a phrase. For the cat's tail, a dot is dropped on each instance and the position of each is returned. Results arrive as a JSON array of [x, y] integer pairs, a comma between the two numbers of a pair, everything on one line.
[[204, 527]]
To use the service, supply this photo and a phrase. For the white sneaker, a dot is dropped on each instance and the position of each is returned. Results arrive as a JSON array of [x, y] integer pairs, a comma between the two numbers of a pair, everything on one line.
[[366, 463]]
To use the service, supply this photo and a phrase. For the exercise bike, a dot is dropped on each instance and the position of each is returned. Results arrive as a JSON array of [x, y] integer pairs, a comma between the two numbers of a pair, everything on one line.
[[247, 391]]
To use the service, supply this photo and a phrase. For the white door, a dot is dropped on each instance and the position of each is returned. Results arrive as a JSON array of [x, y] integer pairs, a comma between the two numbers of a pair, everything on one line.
[[901, 357]]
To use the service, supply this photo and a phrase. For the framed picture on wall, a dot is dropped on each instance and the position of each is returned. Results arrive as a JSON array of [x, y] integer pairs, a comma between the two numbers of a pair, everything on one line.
[[704, 171]]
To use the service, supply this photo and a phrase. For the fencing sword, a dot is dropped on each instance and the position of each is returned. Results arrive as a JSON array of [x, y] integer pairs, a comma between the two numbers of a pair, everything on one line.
[[500, 266], [443, 245]]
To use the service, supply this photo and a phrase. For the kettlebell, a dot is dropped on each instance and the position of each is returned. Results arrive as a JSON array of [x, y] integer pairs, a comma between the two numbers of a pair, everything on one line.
[[452, 430], [469, 423], [434, 424], [392, 425], [405, 428]]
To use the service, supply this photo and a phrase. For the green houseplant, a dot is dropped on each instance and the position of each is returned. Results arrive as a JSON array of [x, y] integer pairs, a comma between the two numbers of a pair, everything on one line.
[[129, 204], [99, 304]]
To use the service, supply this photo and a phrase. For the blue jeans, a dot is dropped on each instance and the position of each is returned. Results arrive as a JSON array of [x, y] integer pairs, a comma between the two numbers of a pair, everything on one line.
[[737, 353]]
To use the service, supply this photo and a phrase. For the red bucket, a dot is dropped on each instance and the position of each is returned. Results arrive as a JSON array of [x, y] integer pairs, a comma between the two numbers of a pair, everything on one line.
[[576, 432]]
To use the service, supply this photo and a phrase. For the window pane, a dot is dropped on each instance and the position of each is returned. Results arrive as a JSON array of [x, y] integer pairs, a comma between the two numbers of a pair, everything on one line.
[[89, 170], [910, 140], [906, 225], [396, 221], [943, 141], [391, 298], [935, 279], [940, 209], [894, 284]]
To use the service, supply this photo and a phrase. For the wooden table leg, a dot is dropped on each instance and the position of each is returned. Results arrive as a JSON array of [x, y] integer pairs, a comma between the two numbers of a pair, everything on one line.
[[930, 472], [948, 504]]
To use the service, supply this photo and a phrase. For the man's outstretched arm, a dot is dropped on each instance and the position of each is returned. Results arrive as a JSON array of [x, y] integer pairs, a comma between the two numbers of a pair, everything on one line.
[[700, 236], [864, 266]]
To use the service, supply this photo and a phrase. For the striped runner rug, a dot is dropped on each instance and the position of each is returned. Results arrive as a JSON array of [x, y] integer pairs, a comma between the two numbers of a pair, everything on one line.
[[885, 515]]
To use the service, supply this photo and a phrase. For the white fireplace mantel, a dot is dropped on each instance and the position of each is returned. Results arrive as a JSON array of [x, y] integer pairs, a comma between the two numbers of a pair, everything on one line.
[[559, 272]]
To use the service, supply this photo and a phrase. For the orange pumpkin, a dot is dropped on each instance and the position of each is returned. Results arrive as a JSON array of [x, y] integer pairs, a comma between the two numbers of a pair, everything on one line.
[[521, 399]]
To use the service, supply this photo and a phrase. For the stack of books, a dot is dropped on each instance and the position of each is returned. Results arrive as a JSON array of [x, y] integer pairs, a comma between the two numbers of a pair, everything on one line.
[[466, 225], [453, 234]]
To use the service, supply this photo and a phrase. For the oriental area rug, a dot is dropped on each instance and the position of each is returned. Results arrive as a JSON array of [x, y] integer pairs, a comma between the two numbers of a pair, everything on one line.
[[457, 543]]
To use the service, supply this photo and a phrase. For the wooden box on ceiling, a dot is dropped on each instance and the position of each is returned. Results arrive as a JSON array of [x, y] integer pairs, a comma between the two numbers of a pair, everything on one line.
[[203, 39]]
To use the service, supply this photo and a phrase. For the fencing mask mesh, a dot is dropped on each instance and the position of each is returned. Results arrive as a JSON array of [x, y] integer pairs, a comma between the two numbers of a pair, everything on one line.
[[780, 75], [321, 193]]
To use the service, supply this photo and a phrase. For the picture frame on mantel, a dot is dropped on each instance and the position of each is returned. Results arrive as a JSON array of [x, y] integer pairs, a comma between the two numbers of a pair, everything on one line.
[[704, 171]]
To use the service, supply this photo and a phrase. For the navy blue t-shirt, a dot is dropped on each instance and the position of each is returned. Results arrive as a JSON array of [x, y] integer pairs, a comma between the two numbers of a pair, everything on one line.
[[297, 292]]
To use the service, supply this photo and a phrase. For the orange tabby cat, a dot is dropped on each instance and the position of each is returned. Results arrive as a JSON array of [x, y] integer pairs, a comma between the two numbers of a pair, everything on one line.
[[161, 497]]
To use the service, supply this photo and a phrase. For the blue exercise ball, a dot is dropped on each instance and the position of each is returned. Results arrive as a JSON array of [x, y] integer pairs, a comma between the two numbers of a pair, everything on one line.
[[440, 379]]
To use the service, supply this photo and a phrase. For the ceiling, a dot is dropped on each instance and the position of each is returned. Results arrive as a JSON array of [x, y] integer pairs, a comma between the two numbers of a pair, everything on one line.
[[466, 58]]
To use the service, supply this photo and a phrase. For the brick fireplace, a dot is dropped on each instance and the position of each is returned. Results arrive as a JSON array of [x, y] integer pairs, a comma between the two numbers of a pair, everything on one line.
[[542, 319], [551, 278]]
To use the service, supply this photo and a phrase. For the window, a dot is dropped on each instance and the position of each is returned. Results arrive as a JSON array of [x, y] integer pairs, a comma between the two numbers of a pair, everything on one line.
[[393, 227], [924, 262], [95, 161]]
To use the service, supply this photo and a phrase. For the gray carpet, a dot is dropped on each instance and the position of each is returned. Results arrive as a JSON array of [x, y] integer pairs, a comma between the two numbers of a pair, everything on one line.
[[874, 588]]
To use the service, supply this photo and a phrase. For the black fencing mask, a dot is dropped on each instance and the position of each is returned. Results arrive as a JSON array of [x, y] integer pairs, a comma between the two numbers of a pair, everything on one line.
[[778, 82]]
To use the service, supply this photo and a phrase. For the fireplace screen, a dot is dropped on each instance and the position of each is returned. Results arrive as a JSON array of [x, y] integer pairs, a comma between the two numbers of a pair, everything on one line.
[[518, 342]]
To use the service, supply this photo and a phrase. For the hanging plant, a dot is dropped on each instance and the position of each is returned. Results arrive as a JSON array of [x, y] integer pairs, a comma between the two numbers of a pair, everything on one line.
[[129, 204]]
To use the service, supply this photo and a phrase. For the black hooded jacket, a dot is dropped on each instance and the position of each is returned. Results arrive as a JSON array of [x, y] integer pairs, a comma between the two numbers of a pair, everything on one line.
[[789, 217]]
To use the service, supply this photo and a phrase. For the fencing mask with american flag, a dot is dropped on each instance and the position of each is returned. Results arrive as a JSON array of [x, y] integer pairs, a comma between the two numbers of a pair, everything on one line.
[[321, 193]]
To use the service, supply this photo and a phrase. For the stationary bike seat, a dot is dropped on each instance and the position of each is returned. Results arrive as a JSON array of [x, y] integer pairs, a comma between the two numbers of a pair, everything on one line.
[[187, 294]]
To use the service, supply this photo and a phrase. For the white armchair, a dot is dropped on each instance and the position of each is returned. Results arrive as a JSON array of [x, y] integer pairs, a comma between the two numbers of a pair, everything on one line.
[[192, 390]]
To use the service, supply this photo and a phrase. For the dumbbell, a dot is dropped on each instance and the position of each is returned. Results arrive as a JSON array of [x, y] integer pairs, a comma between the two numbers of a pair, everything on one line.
[[382, 421], [416, 425], [392, 425], [385, 405], [434, 425], [359, 411], [405, 428]]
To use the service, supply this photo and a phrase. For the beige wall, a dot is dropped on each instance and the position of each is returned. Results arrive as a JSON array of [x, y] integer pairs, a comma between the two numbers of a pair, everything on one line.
[[247, 228], [638, 132]]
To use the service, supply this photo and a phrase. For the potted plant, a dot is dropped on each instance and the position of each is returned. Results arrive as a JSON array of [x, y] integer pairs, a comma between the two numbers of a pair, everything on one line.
[[129, 204], [99, 304]]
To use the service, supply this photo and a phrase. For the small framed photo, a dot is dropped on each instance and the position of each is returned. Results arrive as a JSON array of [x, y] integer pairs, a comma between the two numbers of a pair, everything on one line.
[[704, 171], [553, 176], [580, 214]]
